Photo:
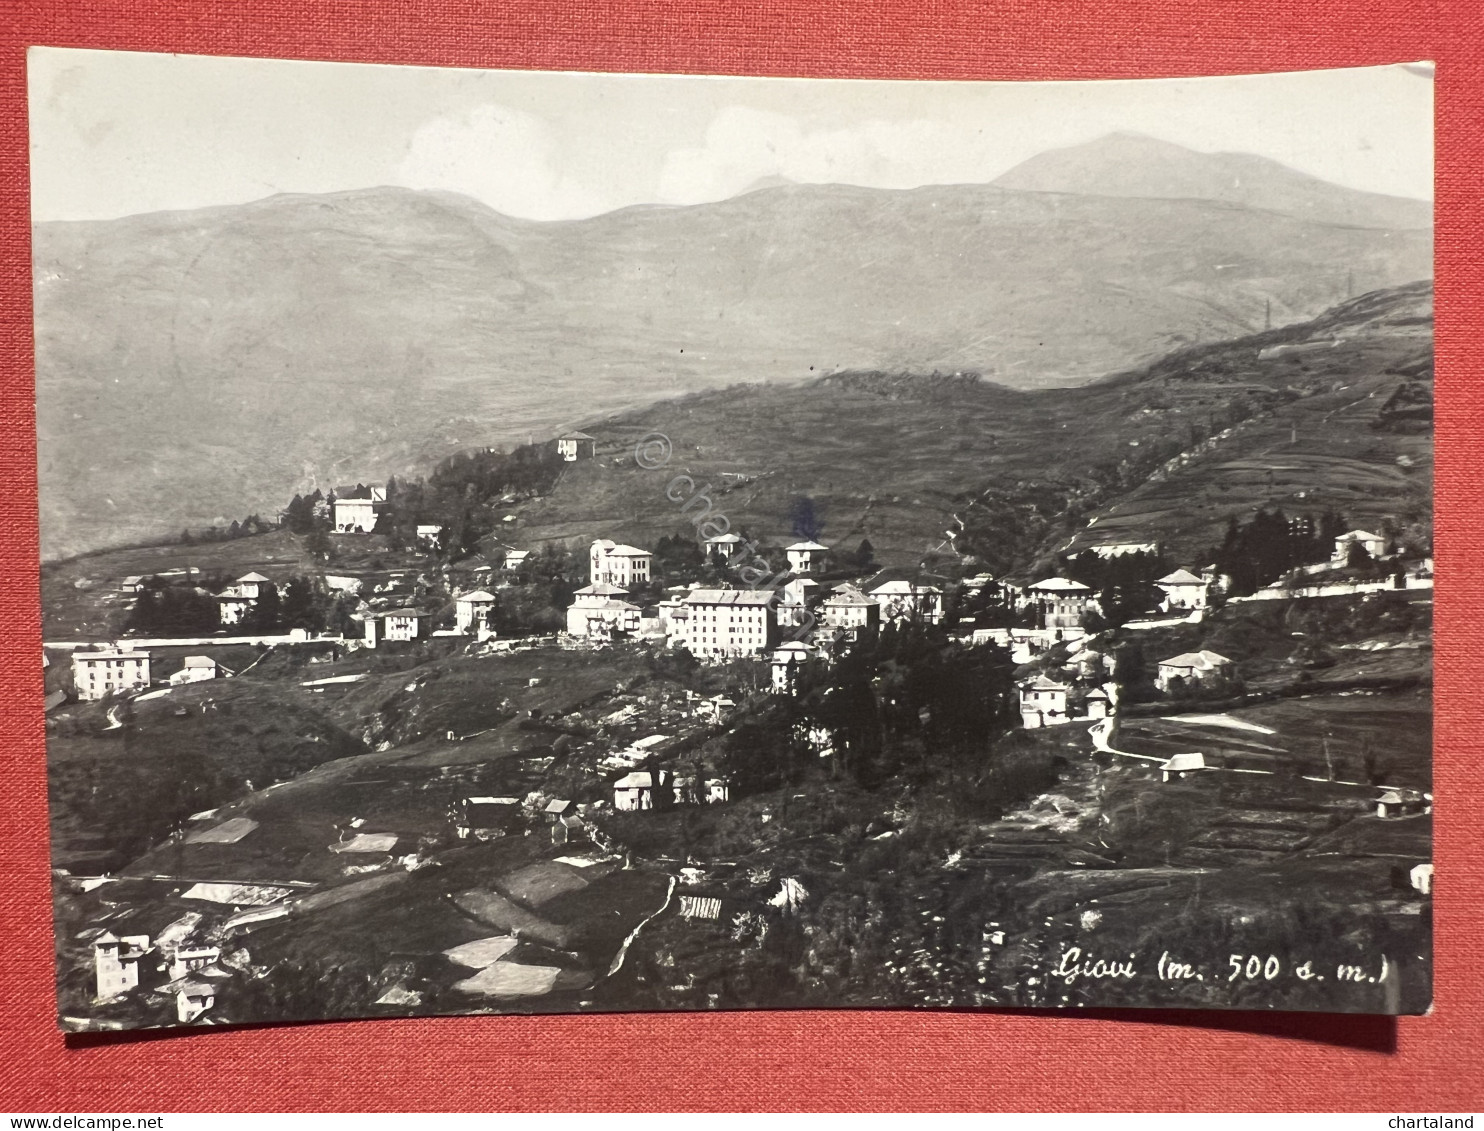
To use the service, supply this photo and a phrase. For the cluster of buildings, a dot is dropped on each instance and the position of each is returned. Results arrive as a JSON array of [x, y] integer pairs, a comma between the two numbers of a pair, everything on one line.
[[726, 622], [192, 974]]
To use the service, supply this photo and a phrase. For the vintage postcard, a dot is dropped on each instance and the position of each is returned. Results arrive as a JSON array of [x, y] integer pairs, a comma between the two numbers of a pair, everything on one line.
[[541, 542]]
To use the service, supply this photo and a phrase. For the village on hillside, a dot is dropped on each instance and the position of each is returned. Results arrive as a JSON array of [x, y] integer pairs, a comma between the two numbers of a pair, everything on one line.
[[591, 543], [402, 709]]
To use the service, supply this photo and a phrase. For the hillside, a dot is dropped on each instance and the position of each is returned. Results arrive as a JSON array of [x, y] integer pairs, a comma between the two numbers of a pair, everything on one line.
[[201, 366], [1127, 164], [1294, 417]]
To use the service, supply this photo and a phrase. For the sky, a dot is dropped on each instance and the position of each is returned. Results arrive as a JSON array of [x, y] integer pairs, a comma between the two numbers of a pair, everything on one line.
[[119, 133]]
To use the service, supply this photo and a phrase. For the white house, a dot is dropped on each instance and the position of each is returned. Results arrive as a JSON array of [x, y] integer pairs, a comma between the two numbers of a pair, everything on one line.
[[514, 559], [1181, 766], [909, 601], [472, 611], [1420, 878], [798, 595], [618, 564], [787, 661], [1097, 704], [485, 818], [134, 583], [116, 961], [1043, 702], [96, 674], [193, 997], [1191, 667], [806, 557], [397, 624], [237, 600], [603, 619], [429, 535], [357, 509], [727, 622], [1374, 544], [1183, 591], [635, 791], [604, 604], [195, 669], [723, 544], [1062, 602], [188, 960], [573, 446], [851, 611]]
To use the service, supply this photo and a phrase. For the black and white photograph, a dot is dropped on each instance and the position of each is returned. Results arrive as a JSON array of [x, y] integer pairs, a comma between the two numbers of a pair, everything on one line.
[[552, 542]]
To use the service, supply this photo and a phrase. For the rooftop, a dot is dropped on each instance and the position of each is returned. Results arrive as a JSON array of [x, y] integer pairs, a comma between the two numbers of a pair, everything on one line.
[[1182, 762], [747, 597], [1203, 660], [1180, 577], [1058, 585]]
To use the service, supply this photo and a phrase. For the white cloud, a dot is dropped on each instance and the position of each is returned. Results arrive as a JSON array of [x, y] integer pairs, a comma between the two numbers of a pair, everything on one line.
[[743, 145], [505, 157]]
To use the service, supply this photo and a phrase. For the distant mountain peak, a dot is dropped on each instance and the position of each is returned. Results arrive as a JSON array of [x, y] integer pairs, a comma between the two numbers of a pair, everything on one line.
[[1130, 164], [772, 180]]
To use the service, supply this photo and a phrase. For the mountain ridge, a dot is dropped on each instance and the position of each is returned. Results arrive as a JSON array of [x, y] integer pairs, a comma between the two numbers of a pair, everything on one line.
[[196, 366]]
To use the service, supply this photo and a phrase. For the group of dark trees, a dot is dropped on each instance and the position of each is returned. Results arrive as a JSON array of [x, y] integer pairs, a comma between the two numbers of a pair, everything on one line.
[[1123, 583], [252, 524], [163, 609], [909, 702], [461, 495], [1270, 544]]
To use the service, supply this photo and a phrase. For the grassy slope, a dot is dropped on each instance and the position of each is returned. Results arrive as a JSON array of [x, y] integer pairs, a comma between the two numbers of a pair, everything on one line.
[[895, 459]]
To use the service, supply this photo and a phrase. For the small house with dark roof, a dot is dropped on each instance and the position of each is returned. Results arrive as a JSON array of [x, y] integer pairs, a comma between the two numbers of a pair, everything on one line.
[[573, 446]]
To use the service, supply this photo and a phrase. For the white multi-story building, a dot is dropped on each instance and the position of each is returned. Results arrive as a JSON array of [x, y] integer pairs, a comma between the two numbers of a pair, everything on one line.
[[96, 674], [728, 622], [1043, 702], [851, 611], [617, 564], [116, 961], [397, 624], [806, 557], [356, 510], [787, 661], [1062, 603], [238, 599], [472, 610], [1192, 668], [909, 601], [1183, 591]]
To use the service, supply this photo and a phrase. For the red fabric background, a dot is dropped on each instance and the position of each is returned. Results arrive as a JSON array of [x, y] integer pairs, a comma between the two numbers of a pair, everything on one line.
[[845, 1060]]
